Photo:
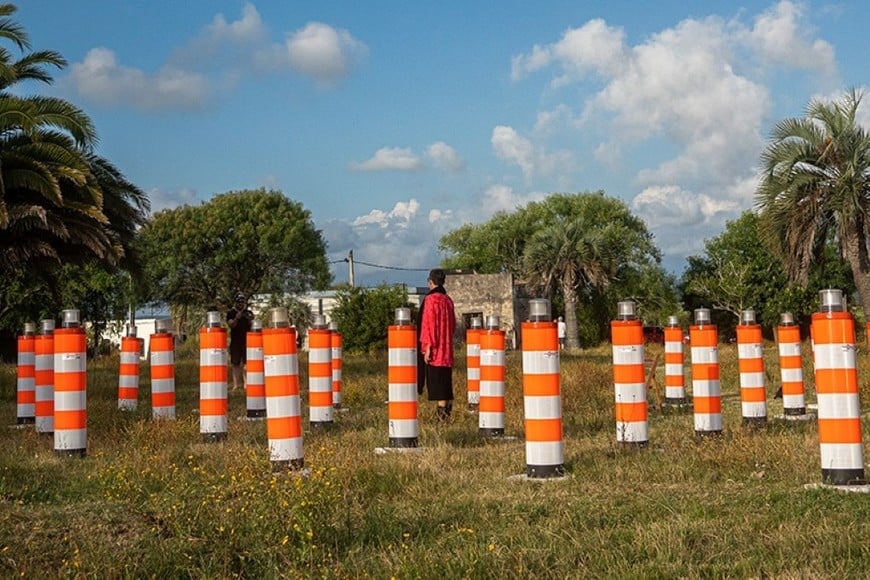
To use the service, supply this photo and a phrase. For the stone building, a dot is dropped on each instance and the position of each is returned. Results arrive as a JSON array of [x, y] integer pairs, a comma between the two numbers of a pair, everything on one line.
[[484, 295]]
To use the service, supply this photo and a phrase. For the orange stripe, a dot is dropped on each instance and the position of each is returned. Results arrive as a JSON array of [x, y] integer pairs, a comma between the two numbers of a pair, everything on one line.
[[70, 420], [490, 373], [70, 340], [748, 334], [213, 374], [628, 374], [402, 337], [626, 332], [753, 395], [163, 399], [790, 362], [402, 374], [402, 410], [129, 369], [792, 388], [751, 365], [27, 372], [282, 386], [70, 382], [788, 334], [674, 358], [543, 429], [213, 337], [319, 338], [840, 430], [705, 372], [708, 405], [320, 399], [129, 344], [673, 334], [284, 427], [162, 372], [541, 385], [254, 390], [833, 328], [43, 345], [538, 336], [675, 381], [491, 405], [631, 412], [26, 397], [210, 407], [256, 365], [44, 408], [44, 377], [128, 393], [706, 336], [834, 381], [320, 369], [472, 361], [279, 341], [492, 340]]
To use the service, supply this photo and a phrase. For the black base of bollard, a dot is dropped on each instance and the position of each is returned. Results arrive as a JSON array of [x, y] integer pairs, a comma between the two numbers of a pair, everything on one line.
[[794, 411], [488, 432], [544, 471], [70, 452], [708, 434], [26, 420], [403, 442], [214, 437], [844, 476], [256, 413], [755, 422]]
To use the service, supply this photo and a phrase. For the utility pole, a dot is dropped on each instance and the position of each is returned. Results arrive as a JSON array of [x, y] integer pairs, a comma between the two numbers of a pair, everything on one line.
[[349, 261]]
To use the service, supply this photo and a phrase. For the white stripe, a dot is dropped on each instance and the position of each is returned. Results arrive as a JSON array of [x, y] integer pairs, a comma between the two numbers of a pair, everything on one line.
[[629, 392], [163, 412], [634, 432], [320, 355], [127, 404], [283, 406], [842, 455], [542, 407], [708, 421], [706, 388], [672, 347], [213, 390], [754, 410], [336, 375], [674, 369], [128, 381], [279, 365], [213, 424], [285, 449], [540, 362], [402, 392], [44, 393], [492, 358], [255, 403], [834, 356], [403, 428], [336, 352], [839, 406], [253, 378], [751, 379], [472, 349], [254, 353], [789, 349], [627, 355], [473, 397], [336, 398], [544, 453], [793, 401], [163, 386], [212, 357], [490, 420], [26, 358], [402, 357], [473, 374], [705, 354], [129, 358], [320, 384], [26, 410], [44, 424], [675, 392], [162, 357], [792, 375], [491, 389], [70, 439], [70, 401], [26, 384], [320, 414], [69, 362], [751, 350]]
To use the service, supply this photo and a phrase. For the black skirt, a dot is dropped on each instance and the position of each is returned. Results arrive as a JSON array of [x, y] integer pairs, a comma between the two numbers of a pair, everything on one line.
[[440, 383]]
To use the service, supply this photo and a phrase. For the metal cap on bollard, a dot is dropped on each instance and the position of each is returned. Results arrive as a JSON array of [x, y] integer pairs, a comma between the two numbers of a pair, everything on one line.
[[47, 326], [163, 326], [70, 318], [319, 322], [403, 316], [333, 326], [29, 328], [213, 319], [831, 300], [476, 322], [131, 331], [673, 321], [702, 316], [747, 317], [493, 322], [626, 310], [539, 310], [786, 319], [278, 318], [256, 325]]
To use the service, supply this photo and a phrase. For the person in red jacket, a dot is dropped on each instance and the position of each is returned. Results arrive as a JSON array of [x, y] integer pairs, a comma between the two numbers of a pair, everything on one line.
[[437, 323]]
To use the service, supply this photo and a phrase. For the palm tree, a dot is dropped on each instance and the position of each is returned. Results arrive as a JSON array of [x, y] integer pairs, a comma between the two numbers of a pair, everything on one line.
[[815, 186], [570, 255]]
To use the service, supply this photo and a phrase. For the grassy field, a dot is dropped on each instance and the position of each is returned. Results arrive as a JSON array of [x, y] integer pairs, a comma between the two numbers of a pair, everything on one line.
[[152, 500]]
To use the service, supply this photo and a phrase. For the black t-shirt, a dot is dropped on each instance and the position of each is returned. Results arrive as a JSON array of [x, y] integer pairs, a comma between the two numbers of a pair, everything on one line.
[[240, 331]]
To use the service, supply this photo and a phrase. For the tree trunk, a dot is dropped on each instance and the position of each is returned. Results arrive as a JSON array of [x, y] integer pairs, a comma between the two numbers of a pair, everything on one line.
[[855, 252], [569, 295]]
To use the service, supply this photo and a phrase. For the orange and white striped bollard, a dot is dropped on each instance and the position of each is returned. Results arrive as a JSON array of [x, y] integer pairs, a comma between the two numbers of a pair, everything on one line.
[[402, 381], [255, 380], [472, 362], [675, 378], [335, 342], [26, 376], [283, 405], [791, 370], [490, 418], [162, 346], [626, 332], [70, 387], [43, 347], [842, 451], [706, 385], [542, 397], [319, 373], [213, 408], [128, 372], [750, 360]]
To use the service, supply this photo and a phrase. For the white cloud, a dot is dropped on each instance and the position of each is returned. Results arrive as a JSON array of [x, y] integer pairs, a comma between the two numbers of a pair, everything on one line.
[[101, 79], [780, 35], [390, 159], [323, 53], [171, 198], [244, 35], [511, 146], [445, 157]]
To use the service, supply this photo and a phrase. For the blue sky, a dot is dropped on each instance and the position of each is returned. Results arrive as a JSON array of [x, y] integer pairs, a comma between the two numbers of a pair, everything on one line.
[[395, 122]]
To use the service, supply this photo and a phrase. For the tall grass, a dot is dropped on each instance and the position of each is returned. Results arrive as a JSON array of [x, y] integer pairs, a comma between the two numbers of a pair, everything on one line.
[[152, 500]]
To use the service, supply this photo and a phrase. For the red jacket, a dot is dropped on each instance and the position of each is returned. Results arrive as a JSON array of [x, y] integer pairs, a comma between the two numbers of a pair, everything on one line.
[[437, 327]]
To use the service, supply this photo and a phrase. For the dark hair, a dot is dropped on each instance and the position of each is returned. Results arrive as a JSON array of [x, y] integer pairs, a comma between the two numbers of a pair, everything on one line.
[[437, 276]]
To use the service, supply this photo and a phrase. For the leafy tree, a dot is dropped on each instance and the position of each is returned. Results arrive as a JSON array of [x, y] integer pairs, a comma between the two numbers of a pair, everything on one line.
[[816, 188], [364, 314], [247, 241]]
